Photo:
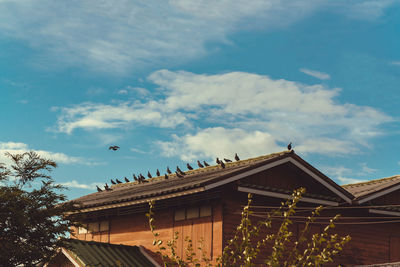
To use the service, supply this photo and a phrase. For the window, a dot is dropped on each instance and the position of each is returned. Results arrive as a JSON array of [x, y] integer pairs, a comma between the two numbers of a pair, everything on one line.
[[192, 213], [94, 227], [82, 229]]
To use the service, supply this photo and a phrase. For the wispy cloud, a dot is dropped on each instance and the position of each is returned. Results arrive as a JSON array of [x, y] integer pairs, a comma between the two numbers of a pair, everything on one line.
[[341, 175], [316, 74], [267, 113], [119, 38], [76, 184], [18, 148]]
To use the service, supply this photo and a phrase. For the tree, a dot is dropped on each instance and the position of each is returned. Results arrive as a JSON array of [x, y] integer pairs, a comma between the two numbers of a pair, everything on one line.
[[244, 248], [32, 221]]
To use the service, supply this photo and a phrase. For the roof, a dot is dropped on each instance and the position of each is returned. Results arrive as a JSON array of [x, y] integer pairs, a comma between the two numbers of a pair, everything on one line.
[[369, 190], [90, 253], [198, 180]]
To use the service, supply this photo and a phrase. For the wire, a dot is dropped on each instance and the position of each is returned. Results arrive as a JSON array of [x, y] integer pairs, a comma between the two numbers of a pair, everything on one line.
[[328, 207]]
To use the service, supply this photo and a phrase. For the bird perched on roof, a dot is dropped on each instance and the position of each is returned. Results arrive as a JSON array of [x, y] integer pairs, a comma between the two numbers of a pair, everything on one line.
[[199, 164], [134, 177], [179, 170], [158, 172], [126, 180], [114, 148], [178, 174], [217, 161], [165, 176], [149, 174], [141, 177], [205, 163], [289, 146], [227, 160], [118, 181], [112, 181], [98, 189], [107, 188], [189, 167], [222, 164], [237, 157], [168, 170]]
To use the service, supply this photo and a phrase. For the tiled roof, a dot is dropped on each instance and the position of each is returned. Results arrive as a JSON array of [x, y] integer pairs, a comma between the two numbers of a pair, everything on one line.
[[90, 253], [159, 186], [364, 189]]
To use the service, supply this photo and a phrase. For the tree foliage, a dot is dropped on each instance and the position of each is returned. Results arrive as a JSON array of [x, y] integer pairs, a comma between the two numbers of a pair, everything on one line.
[[244, 248], [32, 224]]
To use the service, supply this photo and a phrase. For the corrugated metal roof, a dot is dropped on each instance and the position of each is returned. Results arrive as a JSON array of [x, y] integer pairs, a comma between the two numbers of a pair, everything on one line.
[[90, 253], [364, 189]]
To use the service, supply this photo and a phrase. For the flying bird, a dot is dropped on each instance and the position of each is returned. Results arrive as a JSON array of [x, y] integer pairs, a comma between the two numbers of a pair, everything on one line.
[[135, 178], [126, 180], [149, 174], [289, 146], [114, 148], [217, 161], [118, 181], [112, 181], [205, 163], [188, 166], [199, 164], [178, 174], [107, 188], [98, 189], [166, 176], [158, 172], [227, 160], [237, 157], [222, 164], [168, 170]]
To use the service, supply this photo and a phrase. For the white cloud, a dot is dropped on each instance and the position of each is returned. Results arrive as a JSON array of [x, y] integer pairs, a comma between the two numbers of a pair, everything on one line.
[[341, 174], [397, 63], [267, 113], [18, 148], [219, 142], [76, 184], [316, 74], [119, 38], [365, 170]]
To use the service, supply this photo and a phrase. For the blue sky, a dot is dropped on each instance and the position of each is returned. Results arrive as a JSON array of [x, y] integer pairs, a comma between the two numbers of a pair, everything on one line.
[[174, 81]]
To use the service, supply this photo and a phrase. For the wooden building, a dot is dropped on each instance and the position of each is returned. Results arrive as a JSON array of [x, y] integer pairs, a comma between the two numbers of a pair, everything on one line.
[[206, 204]]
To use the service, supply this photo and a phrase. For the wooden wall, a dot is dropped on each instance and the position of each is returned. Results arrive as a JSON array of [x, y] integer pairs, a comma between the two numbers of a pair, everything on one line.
[[133, 230]]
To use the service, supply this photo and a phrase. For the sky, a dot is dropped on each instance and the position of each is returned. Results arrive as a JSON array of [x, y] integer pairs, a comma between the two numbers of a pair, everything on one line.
[[171, 82]]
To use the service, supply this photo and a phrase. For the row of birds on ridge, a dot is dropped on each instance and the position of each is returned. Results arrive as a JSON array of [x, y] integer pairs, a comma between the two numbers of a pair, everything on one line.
[[179, 173]]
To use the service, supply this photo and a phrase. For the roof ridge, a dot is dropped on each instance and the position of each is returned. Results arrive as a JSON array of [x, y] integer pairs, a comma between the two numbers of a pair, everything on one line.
[[210, 168], [375, 181]]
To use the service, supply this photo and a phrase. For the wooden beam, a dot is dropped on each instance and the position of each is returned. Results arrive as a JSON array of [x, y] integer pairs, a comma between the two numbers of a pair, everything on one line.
[[285, 196], [385, 212]]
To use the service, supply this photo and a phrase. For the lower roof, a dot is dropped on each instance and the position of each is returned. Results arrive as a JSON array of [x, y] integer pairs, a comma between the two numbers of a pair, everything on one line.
[[90, 253]]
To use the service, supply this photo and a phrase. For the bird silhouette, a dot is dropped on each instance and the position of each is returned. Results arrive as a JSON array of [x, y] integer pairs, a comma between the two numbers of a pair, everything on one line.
[[107, 188], [188, 166], [141, 177], [134, 177], [98, 189], [227, 160], [289, 146], [217, 161], [158, 172], [114, 148], [222, 164], [118, 181], [237, 157], [112, 181], [179, 170], [199, 164], [149, 174], [205, 163], [165, 176], [126, 180], [168, 170], [178, 174]]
